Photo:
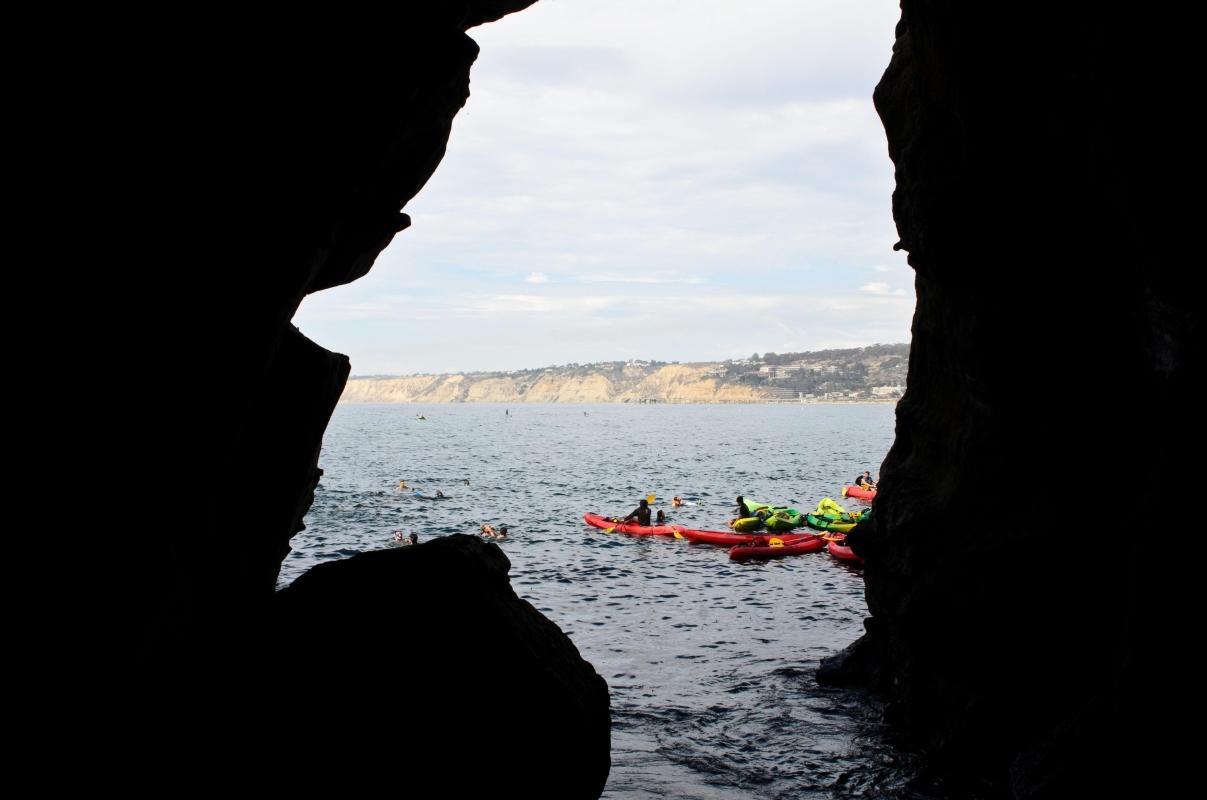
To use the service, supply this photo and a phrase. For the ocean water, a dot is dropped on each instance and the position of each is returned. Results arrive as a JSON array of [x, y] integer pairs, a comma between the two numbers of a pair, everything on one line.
[[710, 662]]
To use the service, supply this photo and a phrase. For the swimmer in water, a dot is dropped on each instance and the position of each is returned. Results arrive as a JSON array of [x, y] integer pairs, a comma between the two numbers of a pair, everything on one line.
[[676, 501], [403, 485]]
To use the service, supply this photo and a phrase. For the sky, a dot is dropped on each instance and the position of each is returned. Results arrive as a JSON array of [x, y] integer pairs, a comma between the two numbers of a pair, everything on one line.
[[645, 179]]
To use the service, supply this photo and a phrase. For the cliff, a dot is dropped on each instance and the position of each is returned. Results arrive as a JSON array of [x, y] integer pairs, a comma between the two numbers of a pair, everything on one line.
[[856, 373], [669, 384]]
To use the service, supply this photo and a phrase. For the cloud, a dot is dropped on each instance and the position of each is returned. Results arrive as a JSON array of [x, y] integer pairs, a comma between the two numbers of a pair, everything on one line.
[[654, 277], [722, 201]]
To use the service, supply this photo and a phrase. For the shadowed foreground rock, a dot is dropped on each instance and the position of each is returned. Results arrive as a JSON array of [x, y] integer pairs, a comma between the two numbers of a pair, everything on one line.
[[1021, 627], [256, 160], [425, 656]]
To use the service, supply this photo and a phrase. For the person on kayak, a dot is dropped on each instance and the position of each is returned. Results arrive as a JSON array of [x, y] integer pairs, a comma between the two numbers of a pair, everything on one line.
[[641, 513], [661, 519], [743, 511], [865, 480]]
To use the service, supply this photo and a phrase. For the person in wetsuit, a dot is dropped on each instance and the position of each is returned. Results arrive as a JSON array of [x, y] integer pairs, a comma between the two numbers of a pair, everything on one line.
[[641, 513]]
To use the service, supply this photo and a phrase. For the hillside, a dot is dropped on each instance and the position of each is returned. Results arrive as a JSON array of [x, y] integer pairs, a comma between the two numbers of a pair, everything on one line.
[[866, 373]]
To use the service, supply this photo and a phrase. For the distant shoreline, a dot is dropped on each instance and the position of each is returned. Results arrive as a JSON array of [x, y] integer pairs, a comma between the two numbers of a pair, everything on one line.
[[873, 374], [517, 403]]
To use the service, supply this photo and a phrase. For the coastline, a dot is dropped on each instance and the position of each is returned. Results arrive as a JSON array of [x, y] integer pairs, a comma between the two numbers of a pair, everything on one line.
[[768, 402]]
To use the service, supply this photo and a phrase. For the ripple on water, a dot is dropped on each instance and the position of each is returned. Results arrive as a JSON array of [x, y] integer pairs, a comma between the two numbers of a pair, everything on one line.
[[710, 660]]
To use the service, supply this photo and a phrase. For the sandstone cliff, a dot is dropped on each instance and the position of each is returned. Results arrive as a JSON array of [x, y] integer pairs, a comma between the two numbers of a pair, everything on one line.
[[851, 374], [674, 383]]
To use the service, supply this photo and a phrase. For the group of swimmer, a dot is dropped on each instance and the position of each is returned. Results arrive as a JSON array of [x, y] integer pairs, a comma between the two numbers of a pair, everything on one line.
[[485, 529], [402, 486]]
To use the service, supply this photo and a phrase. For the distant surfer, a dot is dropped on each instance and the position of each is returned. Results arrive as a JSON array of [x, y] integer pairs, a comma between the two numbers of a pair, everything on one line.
[[439, 495], [420, 416]]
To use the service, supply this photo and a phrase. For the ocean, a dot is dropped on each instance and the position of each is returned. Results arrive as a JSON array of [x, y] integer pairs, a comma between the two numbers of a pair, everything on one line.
[[710, 662]]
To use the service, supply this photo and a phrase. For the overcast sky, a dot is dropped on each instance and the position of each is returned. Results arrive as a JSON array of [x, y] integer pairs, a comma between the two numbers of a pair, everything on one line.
[[683, 181]]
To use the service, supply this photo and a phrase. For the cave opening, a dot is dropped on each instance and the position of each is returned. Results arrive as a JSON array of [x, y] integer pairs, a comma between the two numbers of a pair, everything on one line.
[[1034, 166]]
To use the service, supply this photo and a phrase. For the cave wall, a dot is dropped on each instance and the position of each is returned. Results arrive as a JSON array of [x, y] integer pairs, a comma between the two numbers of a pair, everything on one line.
[[254, 160], [1037, 166]]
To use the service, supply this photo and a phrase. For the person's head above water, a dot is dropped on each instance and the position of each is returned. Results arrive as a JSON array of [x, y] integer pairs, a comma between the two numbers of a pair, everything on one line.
[[644, 502]]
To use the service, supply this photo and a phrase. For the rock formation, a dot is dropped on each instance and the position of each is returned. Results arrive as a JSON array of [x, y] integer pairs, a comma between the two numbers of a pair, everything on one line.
[[269, 159], [216, 169], [432, 641], [1015, 624]]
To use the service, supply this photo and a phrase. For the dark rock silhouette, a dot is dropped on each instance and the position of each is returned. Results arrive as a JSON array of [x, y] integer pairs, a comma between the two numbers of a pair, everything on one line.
[[1036, 197], [431, 641], [256, 160], [213, 172]]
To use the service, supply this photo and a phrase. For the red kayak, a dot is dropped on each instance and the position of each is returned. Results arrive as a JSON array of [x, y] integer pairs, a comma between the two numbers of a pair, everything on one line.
[[843, 553], [808, 543], [729, 539], [859, 493], [609, 525]]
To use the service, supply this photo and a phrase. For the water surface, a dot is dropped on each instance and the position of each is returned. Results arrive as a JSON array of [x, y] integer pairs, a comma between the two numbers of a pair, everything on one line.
[[710, 662]]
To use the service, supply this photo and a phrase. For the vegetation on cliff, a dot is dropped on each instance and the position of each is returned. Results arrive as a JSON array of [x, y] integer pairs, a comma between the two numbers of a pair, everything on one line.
[[865, 373]]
